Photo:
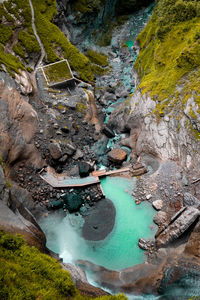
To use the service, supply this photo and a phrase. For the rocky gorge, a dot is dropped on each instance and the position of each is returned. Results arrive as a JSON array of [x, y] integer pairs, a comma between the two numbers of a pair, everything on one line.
[[133, 102]]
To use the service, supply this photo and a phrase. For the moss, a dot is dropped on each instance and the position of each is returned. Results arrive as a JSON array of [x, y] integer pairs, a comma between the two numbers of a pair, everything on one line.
[[29, 42], [167, 60], [11, 62], [86, 6], [81, 107], [58, 72], [97, 58], [29, 69], [25, 273], [18, 49], [5, 33], [56, 44]]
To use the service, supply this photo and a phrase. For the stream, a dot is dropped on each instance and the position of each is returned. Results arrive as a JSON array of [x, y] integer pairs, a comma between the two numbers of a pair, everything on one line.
[[119, 249]]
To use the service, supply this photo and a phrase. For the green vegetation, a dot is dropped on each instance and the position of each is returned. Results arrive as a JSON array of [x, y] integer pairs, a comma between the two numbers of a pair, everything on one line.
[[57, 72], [97, 58], [55, 43], [86, 6], [11, 62], [5, 34], [170, 55], [29, 42], [25, 273]]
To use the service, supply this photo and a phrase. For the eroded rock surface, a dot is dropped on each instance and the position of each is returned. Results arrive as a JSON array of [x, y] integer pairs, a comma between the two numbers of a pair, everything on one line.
[[176, 228]]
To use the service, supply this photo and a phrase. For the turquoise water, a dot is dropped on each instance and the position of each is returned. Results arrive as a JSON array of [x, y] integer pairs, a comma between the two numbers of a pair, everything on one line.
[[119, 250]]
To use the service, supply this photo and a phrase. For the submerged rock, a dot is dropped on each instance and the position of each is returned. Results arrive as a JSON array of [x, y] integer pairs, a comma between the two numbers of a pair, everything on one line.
[[117, 155], [100, 221]]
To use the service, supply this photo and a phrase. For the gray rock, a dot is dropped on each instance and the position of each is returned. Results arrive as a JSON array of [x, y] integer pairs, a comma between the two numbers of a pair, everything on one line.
[[55, 150], [145, 244], [2, 179], [70, 148], [190, 200], [158, 204], [160, 218], [175, 229], [79, 154]]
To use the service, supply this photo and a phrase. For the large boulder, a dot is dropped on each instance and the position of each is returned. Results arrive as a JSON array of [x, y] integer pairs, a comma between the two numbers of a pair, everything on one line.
[[18, 124], [84, 169], [55, 150], [15, 216], [108, 131], [190, 200], [157, 204], [117, 155], [73, 202], [177, 226]]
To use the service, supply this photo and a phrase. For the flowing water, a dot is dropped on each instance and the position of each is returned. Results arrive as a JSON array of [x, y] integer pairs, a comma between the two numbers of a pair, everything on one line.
[[119, 249]]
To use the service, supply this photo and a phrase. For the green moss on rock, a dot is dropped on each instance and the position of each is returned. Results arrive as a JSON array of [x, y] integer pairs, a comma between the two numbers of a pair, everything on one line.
[[56, 44], [29, 42], [97, 58], [5, 33], [58, 72], [171, 58]]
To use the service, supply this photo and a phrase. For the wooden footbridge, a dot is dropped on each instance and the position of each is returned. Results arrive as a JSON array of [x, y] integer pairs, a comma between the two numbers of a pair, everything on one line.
[[64, 181]]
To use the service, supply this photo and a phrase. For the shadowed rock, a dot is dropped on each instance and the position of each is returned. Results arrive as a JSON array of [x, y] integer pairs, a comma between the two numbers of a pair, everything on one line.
[[100, 222]]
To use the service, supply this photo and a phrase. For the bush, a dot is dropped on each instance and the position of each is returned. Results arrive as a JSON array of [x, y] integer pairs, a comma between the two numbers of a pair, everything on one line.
[[25, 274]]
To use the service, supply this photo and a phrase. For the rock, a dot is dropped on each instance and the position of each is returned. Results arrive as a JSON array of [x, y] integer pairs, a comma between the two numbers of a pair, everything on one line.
[[108, 131], [158, 204], [63, 159], [178, 226], [84, 169], [145, 245], [100, 221], [148, 197], [160, 218], [193, 244], [70, 148], [19, 123], [138, 169], [72, 201], [117, 155], [79, 154], [25, 83], [107, 97], [55, 204], [190, 200], [55, 149]]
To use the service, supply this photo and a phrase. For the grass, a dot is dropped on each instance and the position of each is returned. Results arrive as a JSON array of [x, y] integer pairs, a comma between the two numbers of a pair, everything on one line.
[[57, 72], [26, 273]]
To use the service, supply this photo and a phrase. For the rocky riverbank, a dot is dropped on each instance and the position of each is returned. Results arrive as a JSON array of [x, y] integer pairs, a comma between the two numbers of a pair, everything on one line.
[[74, 130]]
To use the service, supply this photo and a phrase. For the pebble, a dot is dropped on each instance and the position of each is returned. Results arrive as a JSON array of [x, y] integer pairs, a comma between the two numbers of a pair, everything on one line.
[[148, 197]]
